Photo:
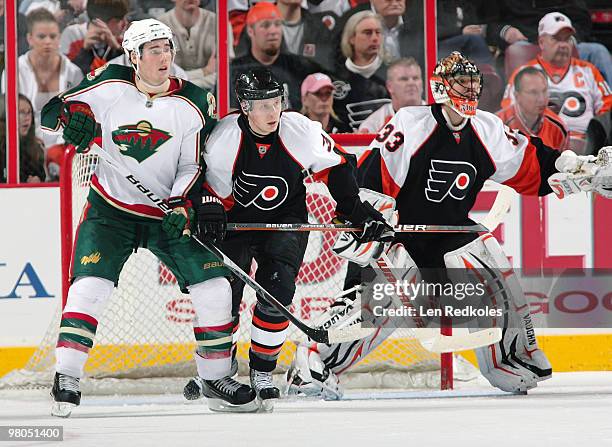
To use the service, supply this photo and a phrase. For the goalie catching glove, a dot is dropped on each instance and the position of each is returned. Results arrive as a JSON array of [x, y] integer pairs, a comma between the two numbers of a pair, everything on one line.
[[79, 125], [579, 173], [177, 224]]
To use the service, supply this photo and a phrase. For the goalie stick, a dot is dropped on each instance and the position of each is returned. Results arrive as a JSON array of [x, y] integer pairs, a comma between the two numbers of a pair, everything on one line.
[[406, 228], [327, 336], [431, 338]]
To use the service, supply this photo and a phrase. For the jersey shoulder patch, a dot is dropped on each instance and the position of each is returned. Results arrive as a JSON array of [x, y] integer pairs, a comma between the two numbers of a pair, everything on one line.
[[202, 99], [105, 73]]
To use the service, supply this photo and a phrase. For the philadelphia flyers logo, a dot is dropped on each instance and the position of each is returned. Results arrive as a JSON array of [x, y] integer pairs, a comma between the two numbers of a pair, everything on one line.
[[449, 178], [265, 192]]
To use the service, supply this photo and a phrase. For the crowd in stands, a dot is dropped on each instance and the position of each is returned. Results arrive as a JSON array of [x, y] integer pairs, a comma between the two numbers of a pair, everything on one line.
[[349, 64]]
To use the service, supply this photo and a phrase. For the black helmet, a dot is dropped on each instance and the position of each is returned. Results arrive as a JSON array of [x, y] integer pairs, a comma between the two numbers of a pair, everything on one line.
[[258, 83]]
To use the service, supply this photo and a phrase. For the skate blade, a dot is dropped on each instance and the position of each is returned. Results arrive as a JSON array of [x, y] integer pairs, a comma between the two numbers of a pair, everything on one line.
[[221, 406], [62, 409], [265, 405]]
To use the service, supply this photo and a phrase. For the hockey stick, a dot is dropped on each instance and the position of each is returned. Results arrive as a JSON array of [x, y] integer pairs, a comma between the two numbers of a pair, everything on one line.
[[329, 336], [431, 338], [478, 228]]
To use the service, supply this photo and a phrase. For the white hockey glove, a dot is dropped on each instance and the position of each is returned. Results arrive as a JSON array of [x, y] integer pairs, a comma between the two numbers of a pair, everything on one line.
[[575, 174], [602, 181]]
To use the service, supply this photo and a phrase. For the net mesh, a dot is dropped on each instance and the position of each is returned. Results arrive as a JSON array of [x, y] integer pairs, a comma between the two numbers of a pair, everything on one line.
[[146, 330]]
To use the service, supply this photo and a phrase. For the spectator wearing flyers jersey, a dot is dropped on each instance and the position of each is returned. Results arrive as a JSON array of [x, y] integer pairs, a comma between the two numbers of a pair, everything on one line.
[[264, 25], [578, 91], [360, 89], [530, 113], [405, 85]]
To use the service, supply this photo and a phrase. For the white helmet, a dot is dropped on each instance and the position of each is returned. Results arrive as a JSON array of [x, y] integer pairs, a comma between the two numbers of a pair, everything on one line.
[[143, 31]]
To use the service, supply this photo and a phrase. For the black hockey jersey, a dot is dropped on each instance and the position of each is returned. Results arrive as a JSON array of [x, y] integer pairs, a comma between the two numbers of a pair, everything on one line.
[[435, 173], [261, 179]]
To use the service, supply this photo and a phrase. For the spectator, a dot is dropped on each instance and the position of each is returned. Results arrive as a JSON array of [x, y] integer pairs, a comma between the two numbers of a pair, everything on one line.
[[577, 90], [194, 34], [530, 113], [22, 44], [338, 7], [460, 28], [91, 45], [31, 153], [402, 33], [43, 71], [515, 22], [305, 34], [318, 102], [360, 89], [405, 85], [264, 27]]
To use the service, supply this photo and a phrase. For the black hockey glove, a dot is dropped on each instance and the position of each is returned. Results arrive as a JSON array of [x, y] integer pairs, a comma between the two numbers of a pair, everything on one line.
[[375, 228], [212, 220], [79, 125]]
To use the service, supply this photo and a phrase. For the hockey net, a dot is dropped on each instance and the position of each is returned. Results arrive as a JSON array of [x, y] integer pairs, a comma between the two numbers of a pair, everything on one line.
[[146, 331]]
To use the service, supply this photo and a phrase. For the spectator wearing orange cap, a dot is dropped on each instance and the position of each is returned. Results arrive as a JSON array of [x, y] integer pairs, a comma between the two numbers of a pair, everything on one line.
[[530, 113], [318, 102], [305, 34], [264, 26]]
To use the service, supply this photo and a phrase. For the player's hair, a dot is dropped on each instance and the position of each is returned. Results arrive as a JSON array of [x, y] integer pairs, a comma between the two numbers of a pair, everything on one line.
[[403, 62], [39, 15], [349, 31], [529, 70], [106, 10]]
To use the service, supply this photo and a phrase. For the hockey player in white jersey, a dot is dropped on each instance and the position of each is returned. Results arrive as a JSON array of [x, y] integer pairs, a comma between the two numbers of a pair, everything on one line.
[[154, 125], [256, 162], [434, 160]]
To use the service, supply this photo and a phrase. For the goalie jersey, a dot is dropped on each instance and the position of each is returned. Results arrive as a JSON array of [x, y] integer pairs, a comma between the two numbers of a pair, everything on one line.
[[159, 139], [261, 179], [435, 173]]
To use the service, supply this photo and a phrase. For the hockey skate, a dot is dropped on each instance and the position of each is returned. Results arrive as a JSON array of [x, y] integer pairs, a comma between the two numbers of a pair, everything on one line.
[[228, 395], [265, 389], [193, 389], [308, 376], [66, 395]]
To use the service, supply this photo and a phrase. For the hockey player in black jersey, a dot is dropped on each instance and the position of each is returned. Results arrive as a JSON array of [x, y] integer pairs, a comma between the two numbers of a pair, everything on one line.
[[256, 162], [434, 160]]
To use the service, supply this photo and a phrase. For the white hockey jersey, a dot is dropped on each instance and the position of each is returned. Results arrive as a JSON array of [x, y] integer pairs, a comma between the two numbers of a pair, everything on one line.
[[157, 138], [577, 93]]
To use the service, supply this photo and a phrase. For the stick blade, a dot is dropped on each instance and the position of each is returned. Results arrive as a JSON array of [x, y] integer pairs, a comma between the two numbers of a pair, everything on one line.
[[452, 343]]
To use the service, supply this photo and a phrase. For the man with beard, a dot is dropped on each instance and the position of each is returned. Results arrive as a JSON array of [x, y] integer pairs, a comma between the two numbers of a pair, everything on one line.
[[264, 25]]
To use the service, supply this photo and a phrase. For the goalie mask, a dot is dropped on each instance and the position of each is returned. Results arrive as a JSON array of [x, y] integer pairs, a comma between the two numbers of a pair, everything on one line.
[[457, 82], [258, 84]]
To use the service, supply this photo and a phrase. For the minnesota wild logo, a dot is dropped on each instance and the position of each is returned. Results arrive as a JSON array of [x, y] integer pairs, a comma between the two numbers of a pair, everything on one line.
[[139, 141]]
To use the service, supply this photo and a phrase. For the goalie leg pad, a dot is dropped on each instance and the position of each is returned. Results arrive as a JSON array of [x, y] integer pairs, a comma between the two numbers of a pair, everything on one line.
[[212, 327], [517, 352], [87, 299]]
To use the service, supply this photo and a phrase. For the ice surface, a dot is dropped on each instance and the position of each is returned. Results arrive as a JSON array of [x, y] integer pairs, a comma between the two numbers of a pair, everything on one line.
[[572, 409]]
